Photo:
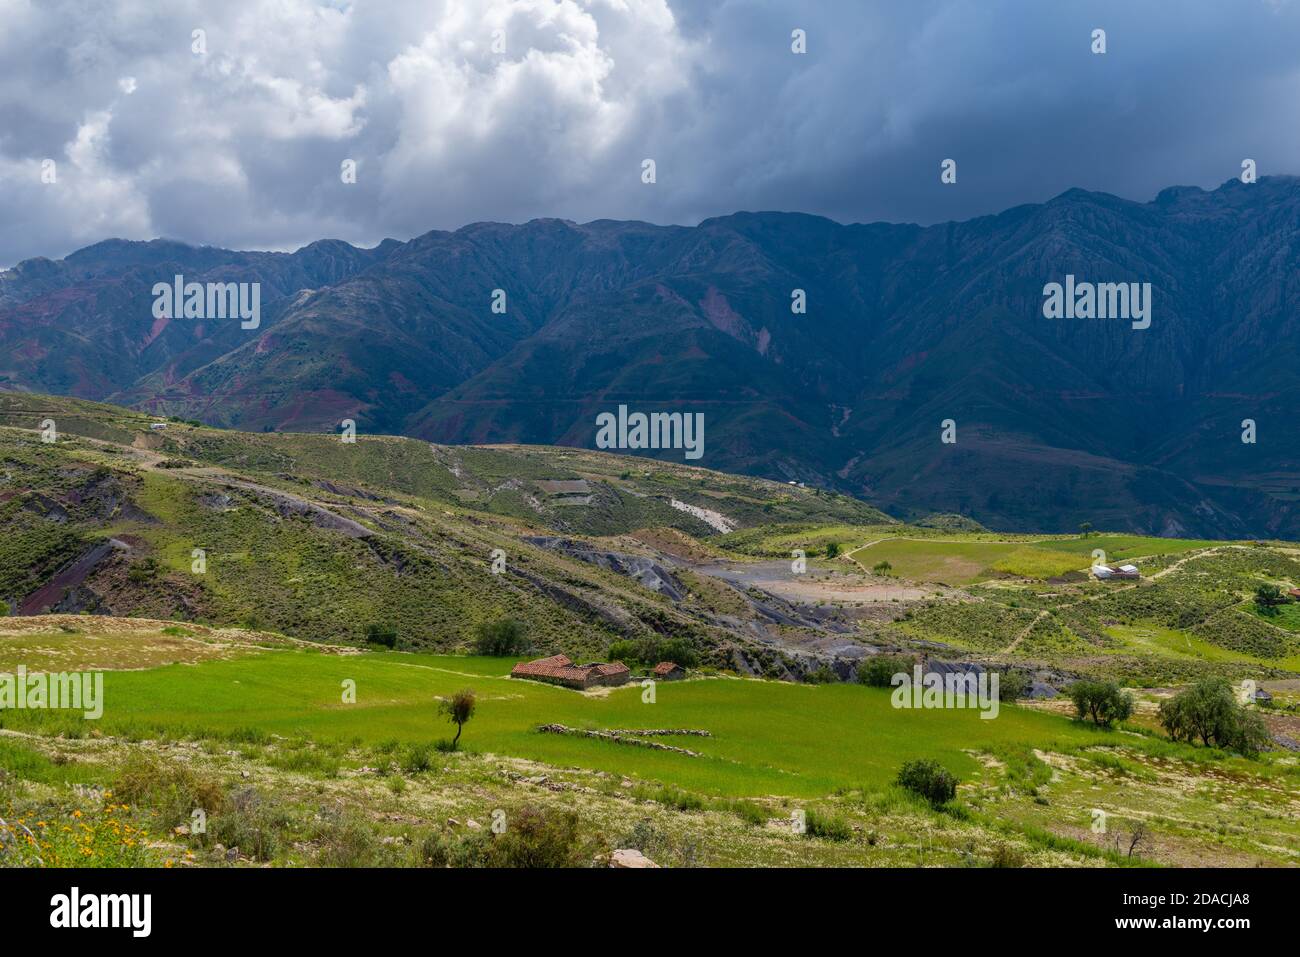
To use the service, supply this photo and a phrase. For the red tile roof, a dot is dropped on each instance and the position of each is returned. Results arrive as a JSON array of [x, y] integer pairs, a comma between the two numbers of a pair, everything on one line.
[[556, 666], [664, 667], [560, 666]]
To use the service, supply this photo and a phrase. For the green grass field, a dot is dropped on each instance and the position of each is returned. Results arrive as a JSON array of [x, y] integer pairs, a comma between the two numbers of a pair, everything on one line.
[[948, 562], [768, 737], [1287, 616], [966, 559], [1119, 547]]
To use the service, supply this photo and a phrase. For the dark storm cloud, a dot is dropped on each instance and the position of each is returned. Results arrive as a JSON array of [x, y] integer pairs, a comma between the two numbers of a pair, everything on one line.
[[241, 146]]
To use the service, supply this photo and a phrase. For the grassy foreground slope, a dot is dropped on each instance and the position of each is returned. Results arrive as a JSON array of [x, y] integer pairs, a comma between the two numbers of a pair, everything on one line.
[[260, 736]]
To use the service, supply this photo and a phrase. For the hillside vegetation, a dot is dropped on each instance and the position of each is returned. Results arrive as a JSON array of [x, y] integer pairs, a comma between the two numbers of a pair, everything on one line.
[[323, 566]]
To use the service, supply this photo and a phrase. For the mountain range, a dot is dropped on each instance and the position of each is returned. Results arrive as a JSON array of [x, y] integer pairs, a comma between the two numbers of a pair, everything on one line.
[[1056, 422]]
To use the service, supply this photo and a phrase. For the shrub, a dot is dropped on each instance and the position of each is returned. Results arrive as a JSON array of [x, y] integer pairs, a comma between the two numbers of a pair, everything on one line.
[[1012, 684], [349, 841], [1268, 597], [533, 838], [1006, 855], [536, 838], [381, 635], [502, 638], [678, 650], [1209, 711], [749, 812], [679, 799], [833, 550], [822, 676], [251, 823], [827, 826], [1102, 701], [145, 570], [172, 792], [624, 651], [929, 779], [878, 670], [418, 758], [466, 849]]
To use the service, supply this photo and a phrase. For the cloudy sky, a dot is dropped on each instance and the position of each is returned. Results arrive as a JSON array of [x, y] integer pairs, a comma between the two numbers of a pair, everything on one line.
[[456, 111]]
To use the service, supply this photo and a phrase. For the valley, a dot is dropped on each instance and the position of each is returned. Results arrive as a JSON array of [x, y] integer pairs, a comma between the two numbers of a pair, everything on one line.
[[279, 618]]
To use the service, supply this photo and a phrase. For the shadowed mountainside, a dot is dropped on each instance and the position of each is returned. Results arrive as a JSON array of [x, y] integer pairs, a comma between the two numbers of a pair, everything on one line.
[[1058, 421]]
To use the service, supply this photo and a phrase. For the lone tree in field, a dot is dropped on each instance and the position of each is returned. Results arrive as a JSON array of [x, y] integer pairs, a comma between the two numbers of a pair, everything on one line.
[[459, 708], [882, 568], [1102, 701], [1085, 528], [1209, 711], [833, 550]]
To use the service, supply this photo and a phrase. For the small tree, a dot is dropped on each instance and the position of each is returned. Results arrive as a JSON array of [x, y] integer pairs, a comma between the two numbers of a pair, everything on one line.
[[930, 779], [678, 650], [1137, 838], [833, 550], [882, 568], [1209, 711], [1268, 597], [624, 651], [1085, 528], [1102, 701], [501, 638], [459, 708]]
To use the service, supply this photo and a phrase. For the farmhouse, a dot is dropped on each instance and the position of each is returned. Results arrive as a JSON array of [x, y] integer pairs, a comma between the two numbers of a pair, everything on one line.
[[669, 671], [1108, 572], [560, 670], [1294, 593], [157, 426]]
